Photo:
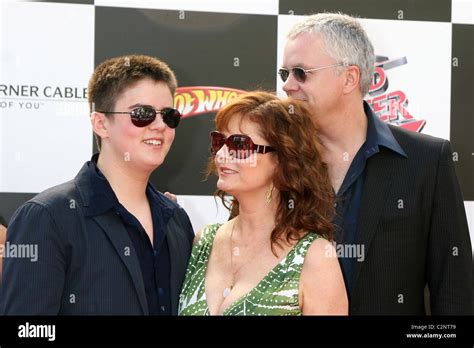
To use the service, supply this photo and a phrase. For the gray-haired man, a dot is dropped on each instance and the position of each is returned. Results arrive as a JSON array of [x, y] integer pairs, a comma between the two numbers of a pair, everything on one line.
[[399, 204]]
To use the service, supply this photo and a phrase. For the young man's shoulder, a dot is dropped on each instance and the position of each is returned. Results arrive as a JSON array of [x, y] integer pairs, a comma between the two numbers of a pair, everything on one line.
[[170, 206], [163, 200], [49, 212], [57, 202], [57, 195]]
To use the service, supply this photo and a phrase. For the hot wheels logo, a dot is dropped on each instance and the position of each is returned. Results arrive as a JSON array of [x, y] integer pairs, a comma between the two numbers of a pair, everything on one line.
[[391, 107], [196, 100]]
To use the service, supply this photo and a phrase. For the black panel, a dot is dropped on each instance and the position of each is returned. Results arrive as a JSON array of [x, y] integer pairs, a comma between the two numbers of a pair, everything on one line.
[[9, 202], [200, 49], [462, 106]]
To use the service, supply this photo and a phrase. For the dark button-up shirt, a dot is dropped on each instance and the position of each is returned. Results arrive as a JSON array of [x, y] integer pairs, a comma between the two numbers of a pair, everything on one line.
[[154, 259], [349, 196]]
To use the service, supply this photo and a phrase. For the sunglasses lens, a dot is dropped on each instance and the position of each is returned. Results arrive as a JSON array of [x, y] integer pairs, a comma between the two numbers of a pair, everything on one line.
[[171, 117], [299, 74], [284, 73], [241, 146], [217, 141], [143, 116]]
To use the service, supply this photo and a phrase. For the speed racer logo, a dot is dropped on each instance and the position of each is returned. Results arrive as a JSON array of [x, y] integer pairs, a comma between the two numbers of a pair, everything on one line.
[[196, 100], [391, 107]]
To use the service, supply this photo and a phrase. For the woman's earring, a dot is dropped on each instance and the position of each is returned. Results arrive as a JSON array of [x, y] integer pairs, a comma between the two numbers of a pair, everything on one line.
[[269, 195]]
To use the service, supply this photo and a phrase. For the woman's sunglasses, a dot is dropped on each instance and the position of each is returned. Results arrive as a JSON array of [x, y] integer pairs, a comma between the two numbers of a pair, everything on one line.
[[301, 74], [144, 115], [241, 146]]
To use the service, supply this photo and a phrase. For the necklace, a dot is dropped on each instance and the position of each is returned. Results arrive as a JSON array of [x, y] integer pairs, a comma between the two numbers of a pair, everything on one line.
[[228, 289], [254, 247]]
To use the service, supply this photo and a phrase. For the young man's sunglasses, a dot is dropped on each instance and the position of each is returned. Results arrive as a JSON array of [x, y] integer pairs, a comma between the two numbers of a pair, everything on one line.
[[144, 115], [240, 145], [300, 74]]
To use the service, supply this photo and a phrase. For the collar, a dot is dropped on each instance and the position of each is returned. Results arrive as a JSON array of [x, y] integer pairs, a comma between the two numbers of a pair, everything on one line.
[[99, 198], [379, 134]]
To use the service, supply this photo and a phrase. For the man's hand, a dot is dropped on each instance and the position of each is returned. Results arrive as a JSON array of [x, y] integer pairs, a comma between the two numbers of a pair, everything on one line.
[[3, 237], [171, 196], [3, 234]]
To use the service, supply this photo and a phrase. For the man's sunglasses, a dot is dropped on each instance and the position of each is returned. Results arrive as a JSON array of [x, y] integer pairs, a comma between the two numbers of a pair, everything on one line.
[[144, 115], [241, 146], [300, 74]]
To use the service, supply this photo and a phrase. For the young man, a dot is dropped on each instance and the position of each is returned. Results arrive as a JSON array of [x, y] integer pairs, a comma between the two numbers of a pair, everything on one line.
[[108, 242], [399, 203]]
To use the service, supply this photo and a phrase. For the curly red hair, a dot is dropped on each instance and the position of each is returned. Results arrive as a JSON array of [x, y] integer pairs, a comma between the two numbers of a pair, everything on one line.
[[306, 196]]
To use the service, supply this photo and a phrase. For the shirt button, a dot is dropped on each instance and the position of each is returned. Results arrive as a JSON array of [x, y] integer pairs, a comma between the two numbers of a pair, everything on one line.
[[335, 205]]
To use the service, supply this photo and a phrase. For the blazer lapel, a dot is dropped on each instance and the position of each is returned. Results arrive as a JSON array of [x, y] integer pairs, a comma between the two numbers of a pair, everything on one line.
[[110, 223], [178, 263], [378, 181], [122, 243]]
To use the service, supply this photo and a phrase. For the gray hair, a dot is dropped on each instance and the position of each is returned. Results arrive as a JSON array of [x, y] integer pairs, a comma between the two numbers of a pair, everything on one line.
[[345, 41]]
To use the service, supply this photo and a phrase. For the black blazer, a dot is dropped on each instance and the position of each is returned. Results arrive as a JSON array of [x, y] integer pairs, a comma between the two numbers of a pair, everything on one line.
[[413, 227], [86, 264]]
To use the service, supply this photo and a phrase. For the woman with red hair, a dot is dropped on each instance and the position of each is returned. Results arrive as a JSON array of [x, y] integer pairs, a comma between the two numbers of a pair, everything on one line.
[[274, 256]]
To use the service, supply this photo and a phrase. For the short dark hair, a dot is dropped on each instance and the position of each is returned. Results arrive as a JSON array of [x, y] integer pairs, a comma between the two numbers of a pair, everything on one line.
[[112, 76]]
